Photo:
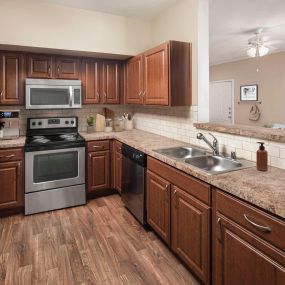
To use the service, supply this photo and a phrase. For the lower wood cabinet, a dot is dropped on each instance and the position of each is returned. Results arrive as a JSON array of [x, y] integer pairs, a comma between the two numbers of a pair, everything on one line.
[[158, 205], [248, 245], [178, 217], [190, 231], [98, 163], [117, 166], [12, 179]]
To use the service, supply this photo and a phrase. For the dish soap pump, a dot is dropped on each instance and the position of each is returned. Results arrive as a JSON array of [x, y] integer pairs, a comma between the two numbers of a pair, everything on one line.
[[261, 158]]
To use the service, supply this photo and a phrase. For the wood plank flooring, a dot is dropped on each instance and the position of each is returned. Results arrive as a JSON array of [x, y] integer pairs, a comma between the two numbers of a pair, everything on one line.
[[99, 243]]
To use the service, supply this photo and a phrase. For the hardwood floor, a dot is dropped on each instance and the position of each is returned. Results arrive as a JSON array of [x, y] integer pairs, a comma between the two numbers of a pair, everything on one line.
[[100, 243]]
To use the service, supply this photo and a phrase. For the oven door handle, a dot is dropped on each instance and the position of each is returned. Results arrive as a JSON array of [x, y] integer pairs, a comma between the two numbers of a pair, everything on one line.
[[70, 96]]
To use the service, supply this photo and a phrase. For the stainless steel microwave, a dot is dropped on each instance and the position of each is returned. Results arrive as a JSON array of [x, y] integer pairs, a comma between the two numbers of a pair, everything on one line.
[[53, 94]]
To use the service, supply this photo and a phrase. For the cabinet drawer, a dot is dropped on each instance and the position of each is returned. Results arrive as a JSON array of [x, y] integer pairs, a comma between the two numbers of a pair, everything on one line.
[[195, 187], [256, 221], [98, 145], [11, 154]]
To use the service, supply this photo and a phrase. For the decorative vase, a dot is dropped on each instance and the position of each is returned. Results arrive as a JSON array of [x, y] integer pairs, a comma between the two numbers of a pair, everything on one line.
[[90, 129]]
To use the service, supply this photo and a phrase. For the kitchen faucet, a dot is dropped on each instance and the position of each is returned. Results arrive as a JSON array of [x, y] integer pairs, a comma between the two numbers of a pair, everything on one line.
[[214, 146]]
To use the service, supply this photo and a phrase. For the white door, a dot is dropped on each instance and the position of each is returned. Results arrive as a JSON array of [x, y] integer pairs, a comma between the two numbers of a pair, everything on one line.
[[221, 101]]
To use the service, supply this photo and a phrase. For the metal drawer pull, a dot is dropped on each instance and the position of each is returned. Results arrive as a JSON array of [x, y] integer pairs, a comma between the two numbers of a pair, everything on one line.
[[97, 146], [262, 228], [7, 156]]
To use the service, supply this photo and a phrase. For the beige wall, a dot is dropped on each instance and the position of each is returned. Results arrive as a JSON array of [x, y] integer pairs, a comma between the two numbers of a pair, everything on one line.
[[271, 86], [179, 22], [28, 23]]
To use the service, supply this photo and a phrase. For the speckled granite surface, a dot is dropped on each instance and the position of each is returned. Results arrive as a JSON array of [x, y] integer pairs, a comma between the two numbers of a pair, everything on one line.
[[243, 130], [20, 142], [263, 189]]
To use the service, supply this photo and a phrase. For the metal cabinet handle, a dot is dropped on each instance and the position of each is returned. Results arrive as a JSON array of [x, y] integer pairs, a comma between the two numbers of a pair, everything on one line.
[[97, 146], [259, 227], [58, 70], [98, 96], [1, 95], [49, 70], [7, 156], [140, 93], [220, 229]]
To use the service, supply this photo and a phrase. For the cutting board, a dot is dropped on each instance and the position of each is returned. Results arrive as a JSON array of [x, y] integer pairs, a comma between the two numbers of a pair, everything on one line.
[[100, 123]]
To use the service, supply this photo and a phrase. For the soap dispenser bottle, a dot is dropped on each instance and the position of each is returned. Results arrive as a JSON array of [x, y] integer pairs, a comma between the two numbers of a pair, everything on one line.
[[261, 158]]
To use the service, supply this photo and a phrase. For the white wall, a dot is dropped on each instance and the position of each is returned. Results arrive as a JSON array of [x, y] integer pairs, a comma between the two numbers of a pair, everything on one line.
[[179, 22], [28, 23]]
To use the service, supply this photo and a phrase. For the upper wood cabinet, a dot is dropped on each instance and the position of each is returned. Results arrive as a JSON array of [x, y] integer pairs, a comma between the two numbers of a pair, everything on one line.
[[48, 66], [67, 68], [91, 81], [101, 81], [134, 80], [39, 66], [12, 74], [248, 244], [160, 76]]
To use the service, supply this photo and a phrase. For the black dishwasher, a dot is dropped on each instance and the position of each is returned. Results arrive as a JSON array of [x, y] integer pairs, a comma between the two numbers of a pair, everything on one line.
[[133, 182]]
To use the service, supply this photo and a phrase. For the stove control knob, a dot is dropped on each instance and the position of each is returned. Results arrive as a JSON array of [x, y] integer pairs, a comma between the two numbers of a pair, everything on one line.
[[33, 123], [66, 122], [39, 123], [72, 122]]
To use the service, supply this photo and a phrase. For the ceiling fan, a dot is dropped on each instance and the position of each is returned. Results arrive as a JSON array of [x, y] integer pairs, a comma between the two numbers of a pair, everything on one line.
[[256, 46]]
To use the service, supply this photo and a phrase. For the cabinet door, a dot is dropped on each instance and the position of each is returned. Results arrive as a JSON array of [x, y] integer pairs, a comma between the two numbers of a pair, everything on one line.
[[134, 81], [111, 83], [67, 68], [98, 170], [190, 232], [91, 81], [12, 73], [156, 76], [39, 66], [12, 187], [158, 205], [240, 257]]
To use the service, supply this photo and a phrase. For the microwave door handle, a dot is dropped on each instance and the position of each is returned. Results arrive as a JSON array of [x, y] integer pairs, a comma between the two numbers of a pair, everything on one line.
[[70, 96]]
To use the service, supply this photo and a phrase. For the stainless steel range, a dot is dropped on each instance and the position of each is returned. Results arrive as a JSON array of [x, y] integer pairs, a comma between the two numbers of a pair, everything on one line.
[[54, 165]]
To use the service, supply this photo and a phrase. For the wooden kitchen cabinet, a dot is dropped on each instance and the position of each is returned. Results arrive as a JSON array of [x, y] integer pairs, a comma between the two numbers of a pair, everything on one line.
[[91, 81], [49, 66], [190, 231], [248, 244], [98, 163], [12, 179], [12, 74], [160, 76], [179, 210], [134, 80], [39, 66], [158, 205], [117, 166], [67, 68]]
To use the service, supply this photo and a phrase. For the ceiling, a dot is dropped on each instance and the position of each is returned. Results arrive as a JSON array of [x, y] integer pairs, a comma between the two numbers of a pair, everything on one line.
[[233, 22], [142, 9]]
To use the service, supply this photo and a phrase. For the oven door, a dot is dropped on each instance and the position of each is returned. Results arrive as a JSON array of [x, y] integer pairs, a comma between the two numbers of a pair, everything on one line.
[[51, 169], [52, 97]]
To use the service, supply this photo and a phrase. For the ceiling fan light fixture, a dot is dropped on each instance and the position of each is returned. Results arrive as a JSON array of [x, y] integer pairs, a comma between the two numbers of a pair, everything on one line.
[[256, 51]]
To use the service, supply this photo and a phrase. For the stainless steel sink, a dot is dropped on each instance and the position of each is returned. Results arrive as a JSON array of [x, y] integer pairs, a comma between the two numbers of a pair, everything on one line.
[[182, 152], [217, 164]]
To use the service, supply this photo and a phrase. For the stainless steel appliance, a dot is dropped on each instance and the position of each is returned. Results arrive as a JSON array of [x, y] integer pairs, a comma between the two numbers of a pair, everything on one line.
[[54, 165], [53, 94], [10, 119], [133, 182]]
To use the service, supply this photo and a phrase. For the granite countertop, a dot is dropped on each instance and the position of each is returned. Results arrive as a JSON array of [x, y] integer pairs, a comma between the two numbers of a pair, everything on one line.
[[19, 142], [243, 130], [263, 189]]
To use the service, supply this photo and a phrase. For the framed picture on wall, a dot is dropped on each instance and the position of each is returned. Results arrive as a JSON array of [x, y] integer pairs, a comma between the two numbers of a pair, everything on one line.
[[249, 92]]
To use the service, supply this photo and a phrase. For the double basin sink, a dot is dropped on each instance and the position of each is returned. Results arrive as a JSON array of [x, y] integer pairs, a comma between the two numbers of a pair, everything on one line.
[[212, 164]]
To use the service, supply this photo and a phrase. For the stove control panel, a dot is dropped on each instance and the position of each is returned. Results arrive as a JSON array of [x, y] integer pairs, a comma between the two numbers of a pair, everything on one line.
[[51, 123]]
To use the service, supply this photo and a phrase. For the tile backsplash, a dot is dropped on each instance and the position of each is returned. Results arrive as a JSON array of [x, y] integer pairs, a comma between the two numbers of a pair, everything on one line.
[[80, 113], [177, 123]]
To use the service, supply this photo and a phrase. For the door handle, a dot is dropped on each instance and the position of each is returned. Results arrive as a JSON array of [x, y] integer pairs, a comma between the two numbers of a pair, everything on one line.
[[70, 96]]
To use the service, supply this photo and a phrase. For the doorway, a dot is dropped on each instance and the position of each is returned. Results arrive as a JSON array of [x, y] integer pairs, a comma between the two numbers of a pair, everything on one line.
[[222, 101]]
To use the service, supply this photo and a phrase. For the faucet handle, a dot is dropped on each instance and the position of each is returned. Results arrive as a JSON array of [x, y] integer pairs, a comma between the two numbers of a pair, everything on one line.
[[215, 139]]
